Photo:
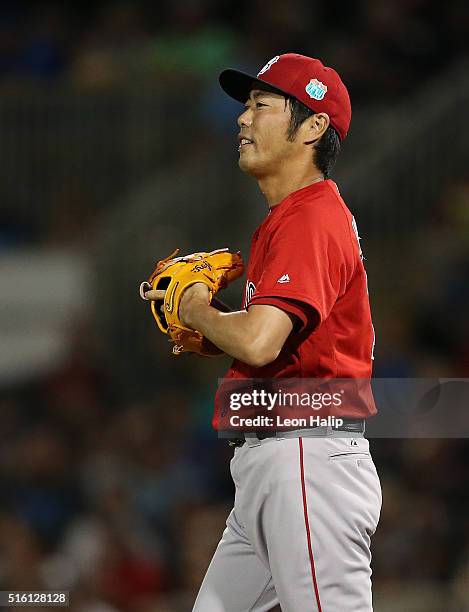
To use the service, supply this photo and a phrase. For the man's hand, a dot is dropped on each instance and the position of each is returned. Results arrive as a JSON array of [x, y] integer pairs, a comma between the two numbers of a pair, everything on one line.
[[193, 297], [181, 290]]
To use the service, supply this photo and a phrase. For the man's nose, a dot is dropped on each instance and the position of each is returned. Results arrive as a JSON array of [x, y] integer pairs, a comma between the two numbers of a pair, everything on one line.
[[245, 119]]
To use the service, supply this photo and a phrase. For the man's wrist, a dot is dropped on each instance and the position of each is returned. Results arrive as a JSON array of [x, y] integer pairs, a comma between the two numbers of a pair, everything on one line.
[[191, 311]]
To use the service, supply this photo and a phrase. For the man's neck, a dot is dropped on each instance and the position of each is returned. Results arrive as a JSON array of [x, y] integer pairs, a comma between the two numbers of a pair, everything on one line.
[[276, 189]]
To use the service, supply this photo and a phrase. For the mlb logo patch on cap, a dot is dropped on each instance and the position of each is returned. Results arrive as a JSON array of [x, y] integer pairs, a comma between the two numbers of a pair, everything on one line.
[[315, 89]]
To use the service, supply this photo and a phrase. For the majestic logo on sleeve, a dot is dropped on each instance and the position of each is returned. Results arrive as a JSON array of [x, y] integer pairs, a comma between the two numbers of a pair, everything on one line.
[[269, 64], [316, 90], [250, 290], [284, 279]]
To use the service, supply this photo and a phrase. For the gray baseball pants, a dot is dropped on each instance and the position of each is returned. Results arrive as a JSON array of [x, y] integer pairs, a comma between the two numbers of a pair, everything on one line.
[[299, 533]]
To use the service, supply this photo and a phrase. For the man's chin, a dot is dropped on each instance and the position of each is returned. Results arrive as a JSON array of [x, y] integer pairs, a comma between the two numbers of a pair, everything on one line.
[[247, 167]]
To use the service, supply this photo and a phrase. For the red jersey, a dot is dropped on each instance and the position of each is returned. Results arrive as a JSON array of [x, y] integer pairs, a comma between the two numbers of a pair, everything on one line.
[[306, 259]]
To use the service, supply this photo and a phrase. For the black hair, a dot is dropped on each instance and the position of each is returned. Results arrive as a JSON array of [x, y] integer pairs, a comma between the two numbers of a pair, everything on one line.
[[327, 149]]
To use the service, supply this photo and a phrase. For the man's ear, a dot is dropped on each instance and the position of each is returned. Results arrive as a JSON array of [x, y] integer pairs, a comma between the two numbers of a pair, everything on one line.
[[316, 125]]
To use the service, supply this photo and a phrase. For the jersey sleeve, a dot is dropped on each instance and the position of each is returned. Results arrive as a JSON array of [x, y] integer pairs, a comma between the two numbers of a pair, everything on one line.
[[305, 315], [310, 259]]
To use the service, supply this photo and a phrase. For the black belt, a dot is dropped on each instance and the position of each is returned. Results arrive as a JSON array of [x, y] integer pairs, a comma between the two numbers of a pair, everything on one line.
[[351, 425]]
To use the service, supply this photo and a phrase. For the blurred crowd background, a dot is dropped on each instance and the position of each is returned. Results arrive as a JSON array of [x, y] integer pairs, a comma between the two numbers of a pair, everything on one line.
[[117, 146]]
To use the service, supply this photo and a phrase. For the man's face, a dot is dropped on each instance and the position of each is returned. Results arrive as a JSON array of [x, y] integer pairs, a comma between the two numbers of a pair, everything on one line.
[[265, 123]]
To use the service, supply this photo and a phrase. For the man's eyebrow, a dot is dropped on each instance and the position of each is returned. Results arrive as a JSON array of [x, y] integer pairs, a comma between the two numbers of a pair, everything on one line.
[[257, 93]]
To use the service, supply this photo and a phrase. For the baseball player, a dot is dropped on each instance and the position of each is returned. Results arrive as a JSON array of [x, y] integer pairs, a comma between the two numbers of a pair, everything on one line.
[[308, 501]]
